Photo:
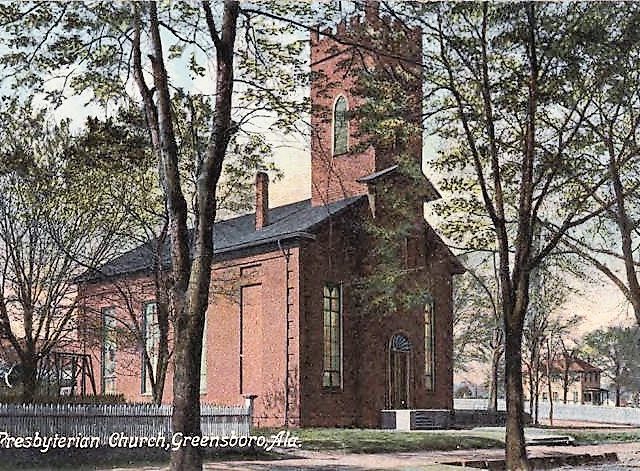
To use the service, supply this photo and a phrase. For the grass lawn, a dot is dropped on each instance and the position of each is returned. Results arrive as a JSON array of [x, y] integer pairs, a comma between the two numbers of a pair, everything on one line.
[[586, 436], [378, 441]]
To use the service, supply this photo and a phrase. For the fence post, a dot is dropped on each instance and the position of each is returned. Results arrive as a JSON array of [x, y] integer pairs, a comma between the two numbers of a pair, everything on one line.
[[248, 403]]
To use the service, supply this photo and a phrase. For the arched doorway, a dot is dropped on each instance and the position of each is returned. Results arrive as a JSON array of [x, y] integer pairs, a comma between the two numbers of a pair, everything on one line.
[[399, 372]]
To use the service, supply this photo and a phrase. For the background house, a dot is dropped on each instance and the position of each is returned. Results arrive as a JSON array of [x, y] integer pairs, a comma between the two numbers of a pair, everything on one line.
[[579, 379]]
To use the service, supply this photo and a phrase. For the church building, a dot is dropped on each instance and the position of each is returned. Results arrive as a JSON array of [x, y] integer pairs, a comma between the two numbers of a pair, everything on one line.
[[298, 315]]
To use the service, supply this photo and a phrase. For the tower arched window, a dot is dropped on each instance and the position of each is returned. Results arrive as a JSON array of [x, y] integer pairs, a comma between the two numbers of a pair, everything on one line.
[[340, 126]]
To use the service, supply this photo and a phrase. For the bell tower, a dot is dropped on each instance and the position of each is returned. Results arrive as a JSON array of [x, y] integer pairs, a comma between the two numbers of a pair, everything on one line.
[[341, 152]]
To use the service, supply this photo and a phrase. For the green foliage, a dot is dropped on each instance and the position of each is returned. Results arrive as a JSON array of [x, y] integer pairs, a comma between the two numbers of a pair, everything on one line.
[[386, 118], [100, 49], [246, 155], [75, 47], [617, 351], [611, 128], [562, 176], [59, 215]]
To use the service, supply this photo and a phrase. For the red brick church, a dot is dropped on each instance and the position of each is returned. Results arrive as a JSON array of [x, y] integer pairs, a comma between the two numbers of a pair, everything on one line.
[[288, 327]]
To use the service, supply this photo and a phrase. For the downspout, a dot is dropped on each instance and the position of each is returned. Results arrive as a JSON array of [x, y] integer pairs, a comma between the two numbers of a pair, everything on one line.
[[287, 255]]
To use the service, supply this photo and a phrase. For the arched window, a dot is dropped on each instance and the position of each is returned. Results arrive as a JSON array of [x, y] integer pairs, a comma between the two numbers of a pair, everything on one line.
[[400, 343], [340, 126]]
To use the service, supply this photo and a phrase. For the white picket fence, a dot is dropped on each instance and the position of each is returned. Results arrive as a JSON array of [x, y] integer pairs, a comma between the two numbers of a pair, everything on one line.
[[102, 420], [561, 411]]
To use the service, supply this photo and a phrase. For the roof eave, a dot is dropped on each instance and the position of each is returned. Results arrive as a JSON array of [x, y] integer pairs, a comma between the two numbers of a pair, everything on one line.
[[300, 235]]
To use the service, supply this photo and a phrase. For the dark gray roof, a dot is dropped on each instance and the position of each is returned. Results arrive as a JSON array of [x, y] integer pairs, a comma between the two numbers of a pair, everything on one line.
[[291, 221], [376, 175], [431, 194]]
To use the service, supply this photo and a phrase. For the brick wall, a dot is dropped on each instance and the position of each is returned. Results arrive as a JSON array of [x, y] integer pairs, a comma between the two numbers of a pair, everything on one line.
[[127, 296], [255, 288], [254, 284], [336, 257], [336, 68]]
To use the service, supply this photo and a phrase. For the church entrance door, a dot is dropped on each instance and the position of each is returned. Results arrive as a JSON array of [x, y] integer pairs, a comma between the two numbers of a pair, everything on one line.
[[399, 372]]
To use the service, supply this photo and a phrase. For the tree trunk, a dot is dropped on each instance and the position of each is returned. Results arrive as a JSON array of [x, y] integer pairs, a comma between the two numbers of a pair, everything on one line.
[[492, 406], [534, 388], [531, 392], [162, 287], [550, 404], [626, 227], [549, 382], [190, 269], [617, 396], [515, 451], [161, 375], [29, 379], [188, 276], [186, 377], [163, 349], [190, 304], [534, 379]]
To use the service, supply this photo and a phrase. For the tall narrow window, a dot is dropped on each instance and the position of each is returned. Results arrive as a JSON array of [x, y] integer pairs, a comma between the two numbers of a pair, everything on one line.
[[151, 333], [109, 348], [340, 127], [332, 323], [429, 346], [410, 252]]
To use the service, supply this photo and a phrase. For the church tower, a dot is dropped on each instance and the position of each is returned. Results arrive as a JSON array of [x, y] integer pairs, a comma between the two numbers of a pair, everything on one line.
[[343, 157]]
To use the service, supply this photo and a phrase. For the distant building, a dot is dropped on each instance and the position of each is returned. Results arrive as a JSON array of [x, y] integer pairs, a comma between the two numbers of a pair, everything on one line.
[[469, 390], [580, 379]]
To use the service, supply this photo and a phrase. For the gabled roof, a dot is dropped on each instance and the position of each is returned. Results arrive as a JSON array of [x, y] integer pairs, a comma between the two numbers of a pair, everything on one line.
[[432, 192], [456, 264], [376, 175], [292, 221], [576, 365]]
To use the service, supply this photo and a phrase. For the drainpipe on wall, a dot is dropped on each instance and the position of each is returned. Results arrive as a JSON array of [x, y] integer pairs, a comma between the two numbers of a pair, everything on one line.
[[287, 255]]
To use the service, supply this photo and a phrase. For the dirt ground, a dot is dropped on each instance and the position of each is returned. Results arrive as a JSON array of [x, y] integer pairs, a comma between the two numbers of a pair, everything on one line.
[[628, 453]]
